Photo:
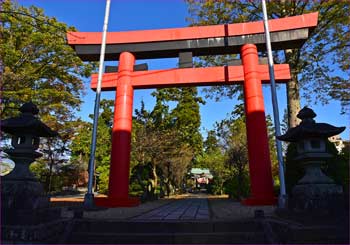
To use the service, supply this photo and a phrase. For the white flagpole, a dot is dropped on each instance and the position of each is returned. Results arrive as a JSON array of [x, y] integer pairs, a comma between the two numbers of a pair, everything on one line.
[[282, 199], [89, 196]]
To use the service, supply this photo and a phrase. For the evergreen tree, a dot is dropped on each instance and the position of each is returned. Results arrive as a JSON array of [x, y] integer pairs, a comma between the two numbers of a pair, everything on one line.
[[213, 158], [211, 143], [80, 148], [185, 117]]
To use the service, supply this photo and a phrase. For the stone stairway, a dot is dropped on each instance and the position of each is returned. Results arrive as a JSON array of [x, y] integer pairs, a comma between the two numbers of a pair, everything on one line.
[[197, 221], [185, 221], [166, 232]]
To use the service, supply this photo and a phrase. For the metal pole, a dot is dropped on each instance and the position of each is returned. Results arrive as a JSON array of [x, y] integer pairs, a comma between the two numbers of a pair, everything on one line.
[[282, 199], [89, 196]]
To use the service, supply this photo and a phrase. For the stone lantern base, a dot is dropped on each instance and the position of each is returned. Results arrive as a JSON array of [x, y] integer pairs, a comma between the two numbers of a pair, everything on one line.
[[316, 191], [23, 195], [322, 198], [26, 216], [44, 233]]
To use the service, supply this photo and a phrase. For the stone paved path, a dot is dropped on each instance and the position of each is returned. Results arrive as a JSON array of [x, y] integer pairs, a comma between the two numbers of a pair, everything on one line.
[[226, 209], [185, 209], [197, 207]]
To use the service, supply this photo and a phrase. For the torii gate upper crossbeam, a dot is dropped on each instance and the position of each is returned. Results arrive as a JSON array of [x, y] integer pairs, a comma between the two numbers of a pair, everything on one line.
[[289, 32]]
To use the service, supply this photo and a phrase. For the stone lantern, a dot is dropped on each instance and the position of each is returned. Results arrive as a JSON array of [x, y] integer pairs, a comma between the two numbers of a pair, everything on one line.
[[315, 190], [23, 198]]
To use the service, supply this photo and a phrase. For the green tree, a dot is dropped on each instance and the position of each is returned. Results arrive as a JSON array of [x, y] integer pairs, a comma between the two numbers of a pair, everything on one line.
[[159, 155], [185, 117], [320, 67], [213, 158], [273, 151], [175, 166], [234, 141], [80, 147], [55, 161], [149, 140], [184, 123], [38, 65], [211, 143]]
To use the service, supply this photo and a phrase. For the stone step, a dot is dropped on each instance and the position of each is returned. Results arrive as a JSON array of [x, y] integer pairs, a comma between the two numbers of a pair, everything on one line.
[[323, 234], [330, 235], [179, 232], [167, 238], [105, 226]]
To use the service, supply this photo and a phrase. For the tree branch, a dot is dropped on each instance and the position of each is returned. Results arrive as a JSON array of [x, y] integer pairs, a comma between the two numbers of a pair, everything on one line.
[[14, 14]]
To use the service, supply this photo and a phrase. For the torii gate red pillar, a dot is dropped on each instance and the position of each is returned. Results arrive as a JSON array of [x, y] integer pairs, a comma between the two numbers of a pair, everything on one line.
[[257, 137], [121, 138]]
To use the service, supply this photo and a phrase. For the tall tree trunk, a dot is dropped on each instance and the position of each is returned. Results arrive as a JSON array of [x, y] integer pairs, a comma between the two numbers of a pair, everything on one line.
[[155, 176], [240, 182], [293, 97], [80, 165], [51, 163], [154, 183], [167, 186]]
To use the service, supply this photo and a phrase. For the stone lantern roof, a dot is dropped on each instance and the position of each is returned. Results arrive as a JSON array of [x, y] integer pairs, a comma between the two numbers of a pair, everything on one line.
[[308, 128], [27, 122]]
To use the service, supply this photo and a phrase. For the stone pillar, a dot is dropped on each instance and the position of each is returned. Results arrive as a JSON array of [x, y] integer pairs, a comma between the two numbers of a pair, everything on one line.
[[257, 138], [118, 195]]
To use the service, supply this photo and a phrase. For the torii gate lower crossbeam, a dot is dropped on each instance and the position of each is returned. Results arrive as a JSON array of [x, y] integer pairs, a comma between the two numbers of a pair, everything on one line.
[[250, 73]]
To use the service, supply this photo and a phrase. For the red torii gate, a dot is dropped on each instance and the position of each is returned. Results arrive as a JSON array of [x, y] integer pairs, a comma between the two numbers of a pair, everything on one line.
[[242, 38]]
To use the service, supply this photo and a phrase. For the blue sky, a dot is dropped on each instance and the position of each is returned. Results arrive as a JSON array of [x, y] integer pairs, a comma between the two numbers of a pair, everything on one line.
[[88, 15]]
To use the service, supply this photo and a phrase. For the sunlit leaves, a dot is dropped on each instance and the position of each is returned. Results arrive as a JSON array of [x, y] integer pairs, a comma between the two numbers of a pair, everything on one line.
[[38, 64]]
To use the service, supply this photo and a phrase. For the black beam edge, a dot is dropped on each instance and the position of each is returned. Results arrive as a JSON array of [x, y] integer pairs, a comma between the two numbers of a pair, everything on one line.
[[139, 67]]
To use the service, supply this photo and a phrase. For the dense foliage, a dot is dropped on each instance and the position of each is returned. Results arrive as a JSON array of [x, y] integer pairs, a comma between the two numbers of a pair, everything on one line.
[[226, 155], [165, 142], [38, 65], [80, 148]]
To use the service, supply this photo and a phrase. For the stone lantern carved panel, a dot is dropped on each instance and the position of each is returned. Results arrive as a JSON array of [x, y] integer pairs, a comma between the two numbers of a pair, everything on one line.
[[25, 141]]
